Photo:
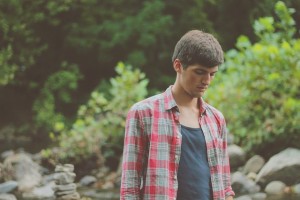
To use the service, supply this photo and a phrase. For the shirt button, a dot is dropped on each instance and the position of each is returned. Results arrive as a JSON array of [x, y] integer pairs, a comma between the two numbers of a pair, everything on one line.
[[176, 157]]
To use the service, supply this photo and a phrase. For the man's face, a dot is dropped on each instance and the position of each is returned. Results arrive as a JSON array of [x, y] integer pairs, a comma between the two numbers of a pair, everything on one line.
[[196, 78]]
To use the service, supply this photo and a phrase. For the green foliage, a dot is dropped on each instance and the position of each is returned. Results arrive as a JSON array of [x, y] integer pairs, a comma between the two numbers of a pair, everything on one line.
[[21, 43], [7, 70], [259, 88], [17, 38], [230, 22], [57, 88], [129, 30], [37, 36], [100, 122]]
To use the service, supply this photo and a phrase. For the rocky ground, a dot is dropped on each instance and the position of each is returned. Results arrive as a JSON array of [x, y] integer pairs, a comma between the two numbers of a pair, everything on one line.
[[23, 177]]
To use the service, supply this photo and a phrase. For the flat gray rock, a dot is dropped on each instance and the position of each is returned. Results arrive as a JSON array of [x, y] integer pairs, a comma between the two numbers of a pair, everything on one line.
[[284, 166]]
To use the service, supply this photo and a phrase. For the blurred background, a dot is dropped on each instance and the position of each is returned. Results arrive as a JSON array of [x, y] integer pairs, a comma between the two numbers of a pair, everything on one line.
[[71, 69]]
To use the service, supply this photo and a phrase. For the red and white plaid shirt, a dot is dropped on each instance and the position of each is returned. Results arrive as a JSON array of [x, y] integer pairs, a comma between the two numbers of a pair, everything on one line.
[[152, 147]]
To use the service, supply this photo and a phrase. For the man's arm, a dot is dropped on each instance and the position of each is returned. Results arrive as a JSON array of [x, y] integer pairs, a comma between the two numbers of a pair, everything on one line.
[[133, 154]]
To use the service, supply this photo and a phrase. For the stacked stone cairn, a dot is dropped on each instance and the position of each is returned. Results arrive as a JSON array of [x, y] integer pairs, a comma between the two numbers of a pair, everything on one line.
[[65, 188]]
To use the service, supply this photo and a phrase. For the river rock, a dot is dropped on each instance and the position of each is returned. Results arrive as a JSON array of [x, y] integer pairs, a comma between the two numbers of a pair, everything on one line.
[[6, 154], [284, 166], [237, 156], [103, 195], [296, 189], [275, 188], [44, 192], [7, 197], [63, 178], [259, 196], [254, 164], [242, 185], [68, 187], [252, 176], [64, 168], [244, 197], [65, 189], [21, 168], [74, 196], [8, 186], [87, 180]]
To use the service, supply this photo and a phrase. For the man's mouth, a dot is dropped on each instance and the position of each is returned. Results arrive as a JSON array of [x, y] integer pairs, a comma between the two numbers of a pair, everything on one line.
[[202, 88]]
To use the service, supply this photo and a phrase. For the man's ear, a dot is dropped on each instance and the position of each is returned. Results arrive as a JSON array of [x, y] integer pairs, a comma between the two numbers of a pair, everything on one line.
[[177, 66]]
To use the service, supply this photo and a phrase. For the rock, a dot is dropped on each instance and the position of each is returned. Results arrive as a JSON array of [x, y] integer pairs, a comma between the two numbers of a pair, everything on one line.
[[237, 156], [62, 178], [275, 188], [8, 186], [6, 154], [284, 166], [44, 192], [254, 164], [74, 196], [242, 185], [296, 189], [87, 180], [47, 179], [251, 176], [102, 172], [103, 195], [108, 185], [21, 168], [259, 196], [68, 187], [65, 192], [64, 168], [244, 197], [7, 197]]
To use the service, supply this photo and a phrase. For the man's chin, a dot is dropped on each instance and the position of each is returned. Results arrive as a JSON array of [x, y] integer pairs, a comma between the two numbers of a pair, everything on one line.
[[198, 95]]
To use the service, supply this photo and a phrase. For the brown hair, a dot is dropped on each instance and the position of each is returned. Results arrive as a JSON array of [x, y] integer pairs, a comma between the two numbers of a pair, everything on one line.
[[198, 47]]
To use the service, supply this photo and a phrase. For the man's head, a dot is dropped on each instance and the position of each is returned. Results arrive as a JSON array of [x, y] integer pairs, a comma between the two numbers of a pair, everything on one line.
[[196, 58], [197, 47]]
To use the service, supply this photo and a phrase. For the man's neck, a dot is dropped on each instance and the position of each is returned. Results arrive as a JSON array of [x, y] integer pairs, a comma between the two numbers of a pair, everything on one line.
[[183, 99]]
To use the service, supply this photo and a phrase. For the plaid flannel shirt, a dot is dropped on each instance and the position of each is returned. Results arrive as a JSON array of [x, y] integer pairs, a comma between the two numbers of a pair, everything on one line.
[[152, 148]]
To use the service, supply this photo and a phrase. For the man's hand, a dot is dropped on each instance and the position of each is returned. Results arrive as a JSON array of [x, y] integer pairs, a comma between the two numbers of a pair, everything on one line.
[[229, 198]]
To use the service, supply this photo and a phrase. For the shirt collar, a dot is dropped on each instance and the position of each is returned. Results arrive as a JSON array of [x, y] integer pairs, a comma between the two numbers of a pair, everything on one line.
[[171, 103]]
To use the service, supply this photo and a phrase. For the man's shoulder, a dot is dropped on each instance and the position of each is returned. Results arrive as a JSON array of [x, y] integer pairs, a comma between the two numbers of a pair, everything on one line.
[[148, 103]]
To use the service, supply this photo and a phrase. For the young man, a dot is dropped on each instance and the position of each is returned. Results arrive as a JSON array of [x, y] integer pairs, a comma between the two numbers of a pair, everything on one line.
[[175, 144]]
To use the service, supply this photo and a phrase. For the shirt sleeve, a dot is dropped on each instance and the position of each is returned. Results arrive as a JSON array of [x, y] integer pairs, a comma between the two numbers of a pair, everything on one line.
[[133, 156], [226, 164]]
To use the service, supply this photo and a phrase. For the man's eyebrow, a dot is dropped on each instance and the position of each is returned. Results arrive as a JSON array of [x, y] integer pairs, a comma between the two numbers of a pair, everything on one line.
[[205, 70]]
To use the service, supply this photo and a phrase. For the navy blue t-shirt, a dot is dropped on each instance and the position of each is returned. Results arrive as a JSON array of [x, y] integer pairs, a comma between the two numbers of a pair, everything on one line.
[[193, 173]]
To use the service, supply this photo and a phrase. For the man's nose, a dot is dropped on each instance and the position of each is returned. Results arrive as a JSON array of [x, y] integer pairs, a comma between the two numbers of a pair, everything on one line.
[[206, 79]]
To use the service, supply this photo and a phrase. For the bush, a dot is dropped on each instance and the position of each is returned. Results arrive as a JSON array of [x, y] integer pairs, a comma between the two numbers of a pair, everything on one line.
[[99, 127], [258, 91], [57, 88]]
